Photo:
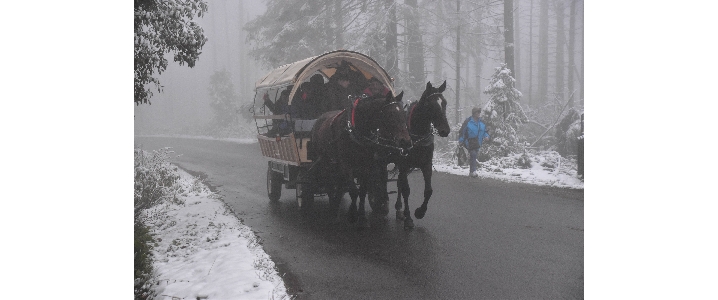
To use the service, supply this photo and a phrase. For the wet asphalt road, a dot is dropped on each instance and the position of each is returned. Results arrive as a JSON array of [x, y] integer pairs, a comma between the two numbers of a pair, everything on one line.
[[480, 238]]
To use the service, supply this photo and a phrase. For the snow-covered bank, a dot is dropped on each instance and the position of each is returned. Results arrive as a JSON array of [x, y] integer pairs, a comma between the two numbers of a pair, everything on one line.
[[201, 249]]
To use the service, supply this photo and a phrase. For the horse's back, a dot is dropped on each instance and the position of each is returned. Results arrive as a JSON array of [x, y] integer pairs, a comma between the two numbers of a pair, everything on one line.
[[323, 131]]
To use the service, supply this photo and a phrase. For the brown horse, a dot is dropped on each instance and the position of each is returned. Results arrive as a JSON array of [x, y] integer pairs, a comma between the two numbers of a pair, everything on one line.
[[348, 142], [429, 110]]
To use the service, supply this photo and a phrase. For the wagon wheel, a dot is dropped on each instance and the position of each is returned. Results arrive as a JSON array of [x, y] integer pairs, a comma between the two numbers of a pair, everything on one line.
[[274, 184], [305, 195]]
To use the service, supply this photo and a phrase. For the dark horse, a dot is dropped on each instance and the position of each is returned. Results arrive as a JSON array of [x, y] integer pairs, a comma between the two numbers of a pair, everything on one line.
[[348, 142], [429, 110]]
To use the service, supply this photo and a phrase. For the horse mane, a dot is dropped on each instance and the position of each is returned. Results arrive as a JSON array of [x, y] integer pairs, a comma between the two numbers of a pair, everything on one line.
[[418, 118], [358, 117]]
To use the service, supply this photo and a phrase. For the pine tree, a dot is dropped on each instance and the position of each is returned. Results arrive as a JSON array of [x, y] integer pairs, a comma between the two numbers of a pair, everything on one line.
[[223, 97], [502, 115]]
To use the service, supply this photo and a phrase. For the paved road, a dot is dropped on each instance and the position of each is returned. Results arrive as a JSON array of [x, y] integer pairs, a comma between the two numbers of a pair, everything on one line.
[[480, 238]]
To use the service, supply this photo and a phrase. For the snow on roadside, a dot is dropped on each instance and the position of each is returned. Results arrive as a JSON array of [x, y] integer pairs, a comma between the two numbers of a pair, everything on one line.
[[202, 250], [547, 168]]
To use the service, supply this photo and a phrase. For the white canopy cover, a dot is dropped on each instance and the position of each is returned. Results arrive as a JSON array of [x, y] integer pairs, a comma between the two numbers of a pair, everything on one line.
[[326, 64]]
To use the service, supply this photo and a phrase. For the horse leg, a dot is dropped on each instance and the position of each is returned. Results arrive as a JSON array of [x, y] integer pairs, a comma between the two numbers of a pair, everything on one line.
[[397, 205], [363, 222], [406, 191], [353, 194], [402, 187], [379, 186], [335, 198], [427, 172]]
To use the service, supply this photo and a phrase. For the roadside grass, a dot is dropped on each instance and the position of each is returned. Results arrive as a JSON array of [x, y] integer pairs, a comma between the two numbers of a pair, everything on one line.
[[155, 179]]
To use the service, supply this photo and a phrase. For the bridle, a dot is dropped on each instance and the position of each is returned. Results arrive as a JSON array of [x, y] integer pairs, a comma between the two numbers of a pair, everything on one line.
[[373, 138], [428, 138]]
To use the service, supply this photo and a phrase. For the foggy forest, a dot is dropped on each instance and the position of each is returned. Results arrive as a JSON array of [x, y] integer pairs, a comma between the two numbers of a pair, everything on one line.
[[462, 42]]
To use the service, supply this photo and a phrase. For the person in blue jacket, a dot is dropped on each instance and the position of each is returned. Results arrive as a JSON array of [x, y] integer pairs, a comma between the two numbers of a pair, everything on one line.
[[471, 136]]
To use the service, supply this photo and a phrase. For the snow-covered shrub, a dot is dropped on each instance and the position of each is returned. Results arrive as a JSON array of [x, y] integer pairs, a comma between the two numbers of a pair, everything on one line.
[[155, 179], [143, 263], [524, 161]]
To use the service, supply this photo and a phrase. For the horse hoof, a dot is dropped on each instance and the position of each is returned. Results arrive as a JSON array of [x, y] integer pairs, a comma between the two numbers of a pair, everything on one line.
[[352, 214], [420, 212], [408, 223], [399, 215]]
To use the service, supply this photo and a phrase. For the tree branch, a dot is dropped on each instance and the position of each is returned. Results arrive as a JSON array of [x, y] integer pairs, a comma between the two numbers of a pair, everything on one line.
[[555, 122]]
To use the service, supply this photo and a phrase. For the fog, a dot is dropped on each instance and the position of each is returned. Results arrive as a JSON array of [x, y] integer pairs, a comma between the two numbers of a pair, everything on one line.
[[183, 104]]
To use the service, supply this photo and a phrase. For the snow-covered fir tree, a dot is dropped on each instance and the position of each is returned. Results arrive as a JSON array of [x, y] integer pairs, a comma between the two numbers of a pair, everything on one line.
[[223, 97], [502, 115]]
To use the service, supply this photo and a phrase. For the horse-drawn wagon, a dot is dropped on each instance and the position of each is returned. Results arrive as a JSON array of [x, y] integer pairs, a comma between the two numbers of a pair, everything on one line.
[[290, 99]]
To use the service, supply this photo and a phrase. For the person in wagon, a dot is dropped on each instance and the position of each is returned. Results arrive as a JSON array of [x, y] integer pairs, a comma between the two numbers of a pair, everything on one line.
[[279, 107], [471, 136], [376, 88], [342, 84], [310, 95]]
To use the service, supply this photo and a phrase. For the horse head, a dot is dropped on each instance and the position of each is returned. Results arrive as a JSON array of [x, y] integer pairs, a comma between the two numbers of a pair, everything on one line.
[[384, 120], [431, 109]]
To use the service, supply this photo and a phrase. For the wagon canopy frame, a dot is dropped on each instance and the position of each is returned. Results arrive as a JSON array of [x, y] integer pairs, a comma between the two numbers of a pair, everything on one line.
[[300, 71]]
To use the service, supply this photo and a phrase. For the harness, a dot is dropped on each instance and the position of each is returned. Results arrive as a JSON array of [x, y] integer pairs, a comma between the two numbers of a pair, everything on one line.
[[373, 139]]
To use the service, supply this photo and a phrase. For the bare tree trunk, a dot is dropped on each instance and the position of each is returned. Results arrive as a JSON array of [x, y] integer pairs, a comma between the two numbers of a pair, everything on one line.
[[560, 44], [458, 61], [517, 44], [214, 44], [478, 59], [415, 49], [468, 102], [509, 34], [438, 50], [479, 67], [392, 64], [571, 54], [531, 51], [339, 25], [580, 76], [543, 53], [226, 40], [438, 58]]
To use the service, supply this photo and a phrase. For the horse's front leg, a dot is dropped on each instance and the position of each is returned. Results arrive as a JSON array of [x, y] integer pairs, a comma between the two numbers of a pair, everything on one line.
[[405, 191], [397, 205], [426, 170], [363, 185], [353, 194], [402, 187], [335, 192]]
